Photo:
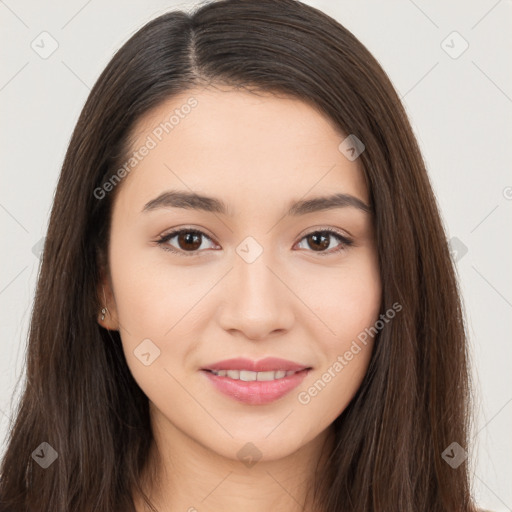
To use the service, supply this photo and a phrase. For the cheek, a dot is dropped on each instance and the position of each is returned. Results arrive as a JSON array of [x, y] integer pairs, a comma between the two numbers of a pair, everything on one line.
[[347, 298], [160, 302], [351, 313], [151, 294], [348, 302]]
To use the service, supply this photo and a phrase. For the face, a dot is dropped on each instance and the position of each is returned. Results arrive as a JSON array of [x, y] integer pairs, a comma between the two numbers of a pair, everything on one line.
[[258, 271]]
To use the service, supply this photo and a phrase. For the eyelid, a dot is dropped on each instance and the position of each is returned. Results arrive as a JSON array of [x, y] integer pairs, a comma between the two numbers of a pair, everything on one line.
[[319, 229], [188, 229]]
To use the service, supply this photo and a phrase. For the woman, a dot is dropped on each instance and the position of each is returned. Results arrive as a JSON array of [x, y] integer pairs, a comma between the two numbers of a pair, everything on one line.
[[246, 297]]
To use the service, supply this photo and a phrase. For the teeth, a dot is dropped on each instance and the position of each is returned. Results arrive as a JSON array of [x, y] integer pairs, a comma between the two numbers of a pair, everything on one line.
[[248, 376], [266, 376], [234, 374]]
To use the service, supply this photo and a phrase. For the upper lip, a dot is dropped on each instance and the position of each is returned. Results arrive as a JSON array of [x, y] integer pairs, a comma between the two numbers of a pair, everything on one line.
[[263, 365]]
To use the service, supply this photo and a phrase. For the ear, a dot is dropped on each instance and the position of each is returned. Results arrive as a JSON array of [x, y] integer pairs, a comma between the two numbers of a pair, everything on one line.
[[107, 305]]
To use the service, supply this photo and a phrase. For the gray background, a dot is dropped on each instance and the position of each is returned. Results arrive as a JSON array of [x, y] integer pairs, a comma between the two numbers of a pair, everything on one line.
[[459, 103]]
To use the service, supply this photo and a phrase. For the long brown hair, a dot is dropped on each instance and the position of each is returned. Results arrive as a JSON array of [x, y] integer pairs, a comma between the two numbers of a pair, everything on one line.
[[79, 395]]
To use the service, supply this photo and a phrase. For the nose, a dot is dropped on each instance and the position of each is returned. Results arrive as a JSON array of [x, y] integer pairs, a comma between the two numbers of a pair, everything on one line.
[[257, 303]]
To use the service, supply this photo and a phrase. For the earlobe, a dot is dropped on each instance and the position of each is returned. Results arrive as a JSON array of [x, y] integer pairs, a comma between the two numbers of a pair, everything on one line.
[[104, 318], [107, 315]]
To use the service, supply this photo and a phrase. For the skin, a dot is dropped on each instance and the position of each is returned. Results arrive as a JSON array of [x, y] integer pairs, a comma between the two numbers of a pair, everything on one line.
[[257, 153]]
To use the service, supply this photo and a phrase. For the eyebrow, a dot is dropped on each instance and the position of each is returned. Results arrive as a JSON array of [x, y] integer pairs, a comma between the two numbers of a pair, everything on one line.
[[194, 201]]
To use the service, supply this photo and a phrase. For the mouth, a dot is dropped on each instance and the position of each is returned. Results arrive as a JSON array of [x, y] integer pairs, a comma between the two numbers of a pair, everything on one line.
[[255, 388], [250, 376], [268, 364]]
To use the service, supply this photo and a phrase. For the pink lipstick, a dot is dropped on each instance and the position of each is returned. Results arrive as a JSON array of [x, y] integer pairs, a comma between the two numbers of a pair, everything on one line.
[[256, 382]]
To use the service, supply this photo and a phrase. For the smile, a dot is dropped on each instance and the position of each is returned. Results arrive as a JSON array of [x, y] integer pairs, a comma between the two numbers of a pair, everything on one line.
[[249, 376], [255, 388]]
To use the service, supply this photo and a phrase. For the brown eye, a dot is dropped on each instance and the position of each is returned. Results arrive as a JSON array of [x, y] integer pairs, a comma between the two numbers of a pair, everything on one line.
[[188, 241], [320, 241]]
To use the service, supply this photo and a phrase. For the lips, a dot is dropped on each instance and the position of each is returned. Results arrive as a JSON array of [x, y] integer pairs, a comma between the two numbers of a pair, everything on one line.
[[255, 382], [255, 392], [269, 364]]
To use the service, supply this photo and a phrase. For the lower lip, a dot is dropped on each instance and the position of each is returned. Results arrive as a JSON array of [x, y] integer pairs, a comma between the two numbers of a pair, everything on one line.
[[256, 392]]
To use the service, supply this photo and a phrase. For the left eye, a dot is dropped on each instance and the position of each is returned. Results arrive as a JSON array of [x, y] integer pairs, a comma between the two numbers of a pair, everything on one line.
[[320, 239], [189, 241]]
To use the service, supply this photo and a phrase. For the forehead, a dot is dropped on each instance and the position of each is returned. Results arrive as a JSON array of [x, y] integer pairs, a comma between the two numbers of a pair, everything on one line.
[[240, 146]]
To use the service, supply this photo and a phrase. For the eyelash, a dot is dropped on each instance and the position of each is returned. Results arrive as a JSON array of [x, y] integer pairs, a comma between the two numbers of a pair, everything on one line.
[[162, 241]]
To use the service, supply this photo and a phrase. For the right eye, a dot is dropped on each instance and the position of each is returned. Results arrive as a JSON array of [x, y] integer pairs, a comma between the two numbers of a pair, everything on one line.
[[188, 241]]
